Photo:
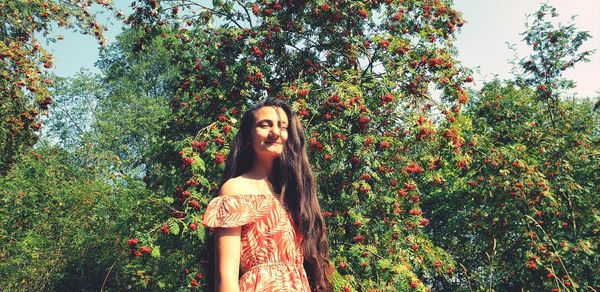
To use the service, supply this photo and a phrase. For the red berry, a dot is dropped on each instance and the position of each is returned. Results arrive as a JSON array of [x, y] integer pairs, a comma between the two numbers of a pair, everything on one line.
[[359, 238], [194, 226], [194, 204], [327, 214], [363, 13], [192, 182], [384, 145], [415, 212], [303, 112], [132, 242], [413, 168], [194, 282], [303, 92], [363, 120], [187, 161], [387, 97], [227, 129], [165, 229], [219, 158], [384, 43]]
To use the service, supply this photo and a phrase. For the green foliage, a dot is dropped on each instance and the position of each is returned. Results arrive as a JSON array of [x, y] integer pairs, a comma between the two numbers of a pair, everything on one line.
[[418, 191], [529, 197], [71, 117], [555, 49], [24, 81], [59, 227], [103, 123], [522, 213], [358, 75], [110, 119]]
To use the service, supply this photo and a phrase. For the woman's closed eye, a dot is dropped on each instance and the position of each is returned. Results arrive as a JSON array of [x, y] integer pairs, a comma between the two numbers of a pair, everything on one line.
[[264, 126]]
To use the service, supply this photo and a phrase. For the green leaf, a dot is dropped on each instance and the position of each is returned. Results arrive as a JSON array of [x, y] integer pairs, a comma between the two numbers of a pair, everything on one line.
[[384, 263], [173, 226], [198, 166], [155, 252], [200, 232]]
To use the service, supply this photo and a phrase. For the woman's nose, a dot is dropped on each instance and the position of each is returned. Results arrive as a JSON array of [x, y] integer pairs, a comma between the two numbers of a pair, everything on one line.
[[274, 133]]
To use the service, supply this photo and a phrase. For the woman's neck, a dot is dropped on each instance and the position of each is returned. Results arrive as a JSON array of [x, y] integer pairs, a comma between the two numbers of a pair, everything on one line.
[[262, 169], [262, 173]]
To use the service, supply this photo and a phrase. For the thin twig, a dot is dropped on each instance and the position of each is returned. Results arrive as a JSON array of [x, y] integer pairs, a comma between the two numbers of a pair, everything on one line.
[[552, 245], [492, 265], [247, 13], [467, 275], [109, 270]]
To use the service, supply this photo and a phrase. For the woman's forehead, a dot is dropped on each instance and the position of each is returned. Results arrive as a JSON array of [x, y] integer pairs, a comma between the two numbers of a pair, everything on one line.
[[273, 113]]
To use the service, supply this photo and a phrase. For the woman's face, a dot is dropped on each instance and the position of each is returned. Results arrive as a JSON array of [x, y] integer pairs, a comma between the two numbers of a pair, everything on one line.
[[269, 132]]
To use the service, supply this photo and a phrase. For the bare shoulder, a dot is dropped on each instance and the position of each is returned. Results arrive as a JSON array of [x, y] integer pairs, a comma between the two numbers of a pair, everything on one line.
[[234, 186]]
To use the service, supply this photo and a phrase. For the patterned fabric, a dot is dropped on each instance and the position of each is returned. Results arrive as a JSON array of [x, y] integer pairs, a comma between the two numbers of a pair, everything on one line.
[[271, 256]]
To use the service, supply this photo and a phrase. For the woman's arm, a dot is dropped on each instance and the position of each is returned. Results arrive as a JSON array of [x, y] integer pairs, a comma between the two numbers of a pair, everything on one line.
[[227, 264]]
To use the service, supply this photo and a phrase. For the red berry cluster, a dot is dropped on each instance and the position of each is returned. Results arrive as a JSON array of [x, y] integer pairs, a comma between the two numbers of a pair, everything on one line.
[[137, 251]]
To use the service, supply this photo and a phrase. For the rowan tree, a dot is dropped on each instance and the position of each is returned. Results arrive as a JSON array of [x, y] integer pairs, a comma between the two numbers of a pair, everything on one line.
[[360, 74]]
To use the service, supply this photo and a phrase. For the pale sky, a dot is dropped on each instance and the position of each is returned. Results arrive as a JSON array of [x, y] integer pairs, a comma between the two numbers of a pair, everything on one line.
[[481, 42], [492, 23]]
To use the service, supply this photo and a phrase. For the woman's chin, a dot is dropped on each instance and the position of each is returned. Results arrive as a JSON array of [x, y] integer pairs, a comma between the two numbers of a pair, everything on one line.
[[272, 151]]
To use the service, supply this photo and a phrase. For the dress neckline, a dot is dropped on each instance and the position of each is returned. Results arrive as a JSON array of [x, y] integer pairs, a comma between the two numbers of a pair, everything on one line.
[[249, 194]]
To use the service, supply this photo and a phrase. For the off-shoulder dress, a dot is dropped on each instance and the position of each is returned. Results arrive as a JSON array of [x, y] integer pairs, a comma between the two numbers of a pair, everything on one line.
[[271, 256]]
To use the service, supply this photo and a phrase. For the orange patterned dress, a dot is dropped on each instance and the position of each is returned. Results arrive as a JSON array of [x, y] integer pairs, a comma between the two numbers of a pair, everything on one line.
[[271, 256]]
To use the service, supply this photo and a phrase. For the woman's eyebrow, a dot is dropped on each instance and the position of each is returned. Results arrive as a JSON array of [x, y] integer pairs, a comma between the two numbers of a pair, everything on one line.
[[270, 121]]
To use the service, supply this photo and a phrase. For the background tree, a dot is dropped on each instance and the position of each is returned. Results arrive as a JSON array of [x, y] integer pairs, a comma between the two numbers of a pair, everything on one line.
[[72, 114], [60, 227], [556, 48], [524, 213], [24, 63], [359, 74], [109, 119], [89, 162], [421, 188]]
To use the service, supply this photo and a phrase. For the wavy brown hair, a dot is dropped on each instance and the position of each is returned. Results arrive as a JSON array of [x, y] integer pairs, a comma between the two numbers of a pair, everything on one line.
[[294, 180]]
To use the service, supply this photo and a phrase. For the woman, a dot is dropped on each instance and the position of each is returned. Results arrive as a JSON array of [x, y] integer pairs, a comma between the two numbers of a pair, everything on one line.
[[267, 222]]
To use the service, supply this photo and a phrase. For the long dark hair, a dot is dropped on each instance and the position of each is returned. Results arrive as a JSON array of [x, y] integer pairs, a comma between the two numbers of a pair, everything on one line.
[[294, 180]]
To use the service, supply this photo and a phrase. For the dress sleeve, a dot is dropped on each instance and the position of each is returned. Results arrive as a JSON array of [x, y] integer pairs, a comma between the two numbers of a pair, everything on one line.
[[228, 211]]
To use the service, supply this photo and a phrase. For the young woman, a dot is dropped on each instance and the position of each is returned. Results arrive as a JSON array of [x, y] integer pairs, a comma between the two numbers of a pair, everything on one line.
[[269, 234]]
